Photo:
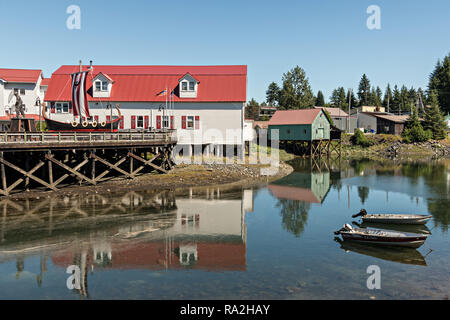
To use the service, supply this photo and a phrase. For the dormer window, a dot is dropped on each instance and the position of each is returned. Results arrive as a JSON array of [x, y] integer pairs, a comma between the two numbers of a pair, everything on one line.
[[102, 84], [188, 86]]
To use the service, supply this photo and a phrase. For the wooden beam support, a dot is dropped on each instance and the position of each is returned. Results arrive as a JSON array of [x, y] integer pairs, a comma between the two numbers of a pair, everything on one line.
[[148, 162], [112, 166], [75, 172]]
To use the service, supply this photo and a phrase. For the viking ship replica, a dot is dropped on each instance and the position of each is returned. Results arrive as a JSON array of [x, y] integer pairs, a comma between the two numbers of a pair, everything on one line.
[[82, 120]]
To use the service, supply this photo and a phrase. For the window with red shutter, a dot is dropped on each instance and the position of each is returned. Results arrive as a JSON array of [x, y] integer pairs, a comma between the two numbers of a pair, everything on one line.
[[183, 122], [96, 118], [172, 124], [146, 122], [133, 122], [121, 124], [108, 118], [158, 122], [52, 108], [197, 122]]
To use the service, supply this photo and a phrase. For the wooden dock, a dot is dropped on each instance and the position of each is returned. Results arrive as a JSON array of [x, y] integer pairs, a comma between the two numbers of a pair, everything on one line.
[[50, 160]]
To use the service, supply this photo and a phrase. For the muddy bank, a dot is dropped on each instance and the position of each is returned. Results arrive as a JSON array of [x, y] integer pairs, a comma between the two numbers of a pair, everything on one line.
[[181, 177]]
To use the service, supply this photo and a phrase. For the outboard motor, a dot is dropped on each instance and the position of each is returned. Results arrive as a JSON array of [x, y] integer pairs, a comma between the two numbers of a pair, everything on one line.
[[363, 212], [346, 227]]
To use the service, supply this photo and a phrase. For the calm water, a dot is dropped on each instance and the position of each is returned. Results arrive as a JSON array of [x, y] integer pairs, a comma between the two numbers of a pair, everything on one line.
[[272, 242]]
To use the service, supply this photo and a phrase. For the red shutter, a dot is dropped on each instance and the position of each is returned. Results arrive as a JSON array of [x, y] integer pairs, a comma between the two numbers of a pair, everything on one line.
[[133, 122], [121, 122], [197, 122], [146, 122], [158, 122], [52, 108], [171, 122], [108, 118], [183, 122], [96, 118]]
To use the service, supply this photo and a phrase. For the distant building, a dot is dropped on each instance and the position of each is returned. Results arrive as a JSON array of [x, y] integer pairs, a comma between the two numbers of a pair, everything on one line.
[[31, 86], [382, 122], [341, 119], [354, 111], [267, 111]]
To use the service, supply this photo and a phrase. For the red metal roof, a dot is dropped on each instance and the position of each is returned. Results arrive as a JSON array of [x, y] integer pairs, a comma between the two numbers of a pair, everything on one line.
[[20, 75], [143, 83], [293, 117], [45, 82], [293, 193]]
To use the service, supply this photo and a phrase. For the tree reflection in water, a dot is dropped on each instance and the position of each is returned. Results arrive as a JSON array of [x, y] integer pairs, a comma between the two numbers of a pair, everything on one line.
[[294, 214]]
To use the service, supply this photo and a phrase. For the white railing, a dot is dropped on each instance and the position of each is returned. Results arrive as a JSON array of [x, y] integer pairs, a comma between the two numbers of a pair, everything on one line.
[[83, 137]]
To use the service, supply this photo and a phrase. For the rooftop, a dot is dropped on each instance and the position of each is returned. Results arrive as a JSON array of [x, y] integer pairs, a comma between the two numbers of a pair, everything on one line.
[[20, 75], [301, 116]]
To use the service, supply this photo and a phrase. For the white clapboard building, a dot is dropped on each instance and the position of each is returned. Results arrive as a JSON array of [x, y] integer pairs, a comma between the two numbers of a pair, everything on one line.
[[205, 104], [29, 84]]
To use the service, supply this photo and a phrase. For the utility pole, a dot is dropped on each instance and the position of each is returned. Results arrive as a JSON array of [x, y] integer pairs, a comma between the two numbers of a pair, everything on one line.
[[349, 107]]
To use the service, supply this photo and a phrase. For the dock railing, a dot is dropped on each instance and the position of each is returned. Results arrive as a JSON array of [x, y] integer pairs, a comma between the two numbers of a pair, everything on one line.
[[86, 137]]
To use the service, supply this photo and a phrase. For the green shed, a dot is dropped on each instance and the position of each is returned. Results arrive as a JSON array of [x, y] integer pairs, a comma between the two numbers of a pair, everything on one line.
[[300, 125]]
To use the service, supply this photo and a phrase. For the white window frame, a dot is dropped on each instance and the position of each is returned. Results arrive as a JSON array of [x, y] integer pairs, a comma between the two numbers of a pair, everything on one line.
[[165, 122], [193, 86], [98, 85], [184, 82], [104, 86], [187, 122], [137, 122]]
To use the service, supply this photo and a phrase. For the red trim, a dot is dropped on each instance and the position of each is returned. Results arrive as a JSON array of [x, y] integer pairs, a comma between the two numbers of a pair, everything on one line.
[[172, 122], [96, 118], [197, 122], [108, 118], [52, 108], [133, 122], [121, 123], [158, 122], [146, 122], [183, 122]]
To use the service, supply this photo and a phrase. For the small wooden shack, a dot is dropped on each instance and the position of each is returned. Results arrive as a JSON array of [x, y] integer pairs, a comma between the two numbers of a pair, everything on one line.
[[300, 125], [307, 130]]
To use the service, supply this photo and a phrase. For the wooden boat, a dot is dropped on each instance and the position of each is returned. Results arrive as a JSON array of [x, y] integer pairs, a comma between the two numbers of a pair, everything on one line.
[[82, 120], [393, 218], [53, 125], [382, 237]]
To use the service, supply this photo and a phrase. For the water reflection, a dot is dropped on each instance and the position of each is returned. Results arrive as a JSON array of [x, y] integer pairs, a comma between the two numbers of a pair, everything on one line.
[[202, 230], [399, 255]]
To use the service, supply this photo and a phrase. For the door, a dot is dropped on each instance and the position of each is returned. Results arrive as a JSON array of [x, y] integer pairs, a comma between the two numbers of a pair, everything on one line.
[[320, 133]]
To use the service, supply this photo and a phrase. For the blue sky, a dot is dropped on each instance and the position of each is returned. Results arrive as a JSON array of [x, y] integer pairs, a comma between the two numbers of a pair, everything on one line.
[[328, 39]]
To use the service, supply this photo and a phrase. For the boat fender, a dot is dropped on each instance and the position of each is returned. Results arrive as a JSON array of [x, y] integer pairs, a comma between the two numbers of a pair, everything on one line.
[[94, 123], [84, 123], [363, 212], [74, 123], [103, 123]]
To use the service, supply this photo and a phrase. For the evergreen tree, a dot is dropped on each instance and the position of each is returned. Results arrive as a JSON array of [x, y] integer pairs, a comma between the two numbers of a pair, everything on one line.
[[353, 102], [396, 100], [320, 100], [364, 91], [414, 131], [273, 94], [387, 100], [434, 120], [252, 110], [296, 92], [379, 97], [338, 99], [404, 99], [439, 81]]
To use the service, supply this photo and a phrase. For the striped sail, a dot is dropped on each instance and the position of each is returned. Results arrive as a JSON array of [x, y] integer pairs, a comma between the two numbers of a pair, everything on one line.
[[79, 95]]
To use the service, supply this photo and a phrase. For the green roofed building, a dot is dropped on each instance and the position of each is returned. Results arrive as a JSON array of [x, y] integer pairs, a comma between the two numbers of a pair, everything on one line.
[[300, 125]]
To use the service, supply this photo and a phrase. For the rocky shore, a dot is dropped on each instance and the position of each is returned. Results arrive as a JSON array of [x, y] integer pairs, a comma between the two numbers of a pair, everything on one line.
[[435, 148]]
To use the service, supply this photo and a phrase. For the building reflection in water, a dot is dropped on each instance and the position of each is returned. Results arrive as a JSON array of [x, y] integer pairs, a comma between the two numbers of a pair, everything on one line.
[[201, 229], [295, 193]]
